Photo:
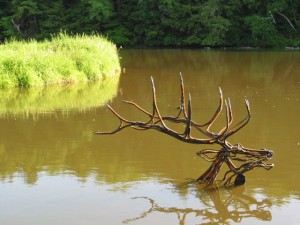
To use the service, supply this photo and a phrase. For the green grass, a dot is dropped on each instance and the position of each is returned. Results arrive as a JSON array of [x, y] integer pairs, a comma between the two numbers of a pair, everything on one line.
[[63, 59]]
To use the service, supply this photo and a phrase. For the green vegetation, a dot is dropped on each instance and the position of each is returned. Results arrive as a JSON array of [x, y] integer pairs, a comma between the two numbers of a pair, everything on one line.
[[61, 60], [158, 23], [25, 102]]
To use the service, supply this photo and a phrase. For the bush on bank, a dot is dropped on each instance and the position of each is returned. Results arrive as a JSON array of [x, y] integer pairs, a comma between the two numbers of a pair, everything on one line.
[[63, 59]]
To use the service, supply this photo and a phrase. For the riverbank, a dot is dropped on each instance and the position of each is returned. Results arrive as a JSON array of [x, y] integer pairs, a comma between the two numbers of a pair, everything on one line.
[[62, 60]]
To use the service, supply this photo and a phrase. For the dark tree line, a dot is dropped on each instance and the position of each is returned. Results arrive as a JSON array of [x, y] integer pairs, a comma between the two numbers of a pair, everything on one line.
[[158, 23]]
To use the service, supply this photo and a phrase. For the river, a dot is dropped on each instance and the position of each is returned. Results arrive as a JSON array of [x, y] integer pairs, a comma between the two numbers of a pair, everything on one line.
[[55, 170]]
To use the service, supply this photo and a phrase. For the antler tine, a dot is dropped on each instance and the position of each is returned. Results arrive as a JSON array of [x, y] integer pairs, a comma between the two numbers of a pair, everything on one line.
[[155, 107], [121, 126], [187, 132], [229, 118], [242, 123], [182, 101], [218, 111], [138, 107], [212, 120], [230, 112], [215, 116]]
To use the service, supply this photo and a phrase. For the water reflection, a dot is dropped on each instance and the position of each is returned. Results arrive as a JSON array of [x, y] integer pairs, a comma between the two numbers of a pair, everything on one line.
[[44, 100], [222, 207]]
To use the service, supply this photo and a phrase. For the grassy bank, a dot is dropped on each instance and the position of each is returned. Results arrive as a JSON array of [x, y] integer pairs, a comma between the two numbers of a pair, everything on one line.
[[63, 59]]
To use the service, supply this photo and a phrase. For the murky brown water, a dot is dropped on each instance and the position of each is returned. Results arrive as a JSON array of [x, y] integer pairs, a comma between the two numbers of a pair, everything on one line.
[[54, 170]]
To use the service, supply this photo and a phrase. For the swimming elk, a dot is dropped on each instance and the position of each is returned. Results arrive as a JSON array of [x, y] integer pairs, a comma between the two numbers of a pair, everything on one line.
[[231, 155]]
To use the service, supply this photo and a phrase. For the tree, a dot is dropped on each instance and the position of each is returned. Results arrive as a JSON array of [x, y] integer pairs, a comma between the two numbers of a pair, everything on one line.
[[5, 23], [167, 23], [262, 31], [25, 18]]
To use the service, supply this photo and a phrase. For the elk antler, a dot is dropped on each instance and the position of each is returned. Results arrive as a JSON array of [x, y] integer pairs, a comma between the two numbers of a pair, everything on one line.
[[252, 158]]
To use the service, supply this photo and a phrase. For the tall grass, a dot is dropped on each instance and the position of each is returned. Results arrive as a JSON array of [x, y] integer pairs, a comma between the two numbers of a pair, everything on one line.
[[63, 59]]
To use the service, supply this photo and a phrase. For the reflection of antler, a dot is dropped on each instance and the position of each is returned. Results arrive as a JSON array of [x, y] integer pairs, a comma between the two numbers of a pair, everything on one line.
[[181, 213], [252, 158], [240, 207]]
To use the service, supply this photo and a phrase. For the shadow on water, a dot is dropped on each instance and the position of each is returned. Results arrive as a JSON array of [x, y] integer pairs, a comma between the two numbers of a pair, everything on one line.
[[220, 206]]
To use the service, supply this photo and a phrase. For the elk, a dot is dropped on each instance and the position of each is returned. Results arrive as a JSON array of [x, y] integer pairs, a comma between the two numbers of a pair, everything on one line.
[[247, 158]]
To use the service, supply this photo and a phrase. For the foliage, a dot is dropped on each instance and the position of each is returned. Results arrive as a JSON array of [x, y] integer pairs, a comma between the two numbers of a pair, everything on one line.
[[262, 31], [63, 59], [100, 10], [170, 23]]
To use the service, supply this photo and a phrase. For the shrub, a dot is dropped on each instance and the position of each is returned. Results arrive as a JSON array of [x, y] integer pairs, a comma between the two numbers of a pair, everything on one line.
[[63, 59]]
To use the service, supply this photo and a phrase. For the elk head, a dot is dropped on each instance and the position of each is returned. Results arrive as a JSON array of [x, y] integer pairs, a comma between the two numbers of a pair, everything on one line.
[[248, 158]]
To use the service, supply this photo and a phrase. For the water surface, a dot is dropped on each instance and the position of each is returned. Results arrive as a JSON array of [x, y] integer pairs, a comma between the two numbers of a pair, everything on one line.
[[54, 170]]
